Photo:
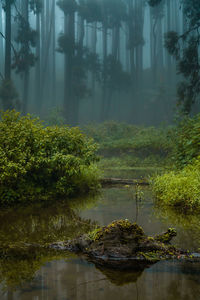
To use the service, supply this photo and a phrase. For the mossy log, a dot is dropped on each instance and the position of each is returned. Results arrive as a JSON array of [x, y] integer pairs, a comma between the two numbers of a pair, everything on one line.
[[121, 181]]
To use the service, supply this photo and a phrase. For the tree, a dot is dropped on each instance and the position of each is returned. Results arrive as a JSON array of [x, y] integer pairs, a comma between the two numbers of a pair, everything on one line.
[[157, 13], [8, 93], [185, 49], [26, 38]]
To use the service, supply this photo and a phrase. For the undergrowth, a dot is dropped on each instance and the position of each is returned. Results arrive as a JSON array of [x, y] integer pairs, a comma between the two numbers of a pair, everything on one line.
[[180, 188], [127, 146], [38, 162]]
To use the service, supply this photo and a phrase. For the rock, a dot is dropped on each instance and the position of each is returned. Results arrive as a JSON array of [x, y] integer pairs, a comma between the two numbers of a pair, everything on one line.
[[123, 245]]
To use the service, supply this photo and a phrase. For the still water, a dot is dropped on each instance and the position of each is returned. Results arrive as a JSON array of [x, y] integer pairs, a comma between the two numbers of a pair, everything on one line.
[[66, 277]]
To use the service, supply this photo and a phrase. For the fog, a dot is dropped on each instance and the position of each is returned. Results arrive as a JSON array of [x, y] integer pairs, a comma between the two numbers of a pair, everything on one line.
[[90, 60]]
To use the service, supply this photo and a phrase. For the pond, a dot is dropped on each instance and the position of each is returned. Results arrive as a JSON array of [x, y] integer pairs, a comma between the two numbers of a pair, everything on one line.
[[66, 276]]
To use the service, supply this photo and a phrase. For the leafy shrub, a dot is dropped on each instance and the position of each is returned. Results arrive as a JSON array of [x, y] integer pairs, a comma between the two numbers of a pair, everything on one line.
[[43, 162], [179, 188], [187, 141], [119, 138]]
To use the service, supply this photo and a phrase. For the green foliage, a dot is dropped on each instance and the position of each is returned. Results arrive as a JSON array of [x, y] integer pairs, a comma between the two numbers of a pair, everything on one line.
[[24, 58], [184, 47], [112, 73], [55, 117], [180, 189], [124, 137], [187, 141], [8, 95], [43, 162], [90, 10], [154, 2], [68, 6]]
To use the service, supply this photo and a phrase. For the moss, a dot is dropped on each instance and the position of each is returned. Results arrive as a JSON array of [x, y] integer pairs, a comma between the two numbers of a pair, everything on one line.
[[167, 236], [119, 226]]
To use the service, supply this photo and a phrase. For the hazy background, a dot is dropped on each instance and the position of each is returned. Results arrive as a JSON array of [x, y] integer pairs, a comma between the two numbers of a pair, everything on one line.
[[92, 60]]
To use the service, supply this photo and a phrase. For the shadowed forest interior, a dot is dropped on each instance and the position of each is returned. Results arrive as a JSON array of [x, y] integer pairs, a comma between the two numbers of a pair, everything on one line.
[[83, 61]]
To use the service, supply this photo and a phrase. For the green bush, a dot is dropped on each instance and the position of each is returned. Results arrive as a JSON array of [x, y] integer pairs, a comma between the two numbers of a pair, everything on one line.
[[180, 189], [113, 136], [187, 141], [43, 162]]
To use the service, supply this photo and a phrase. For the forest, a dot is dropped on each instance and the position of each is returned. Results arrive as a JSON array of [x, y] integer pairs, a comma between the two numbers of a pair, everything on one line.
[[93, 60], [99, 149]]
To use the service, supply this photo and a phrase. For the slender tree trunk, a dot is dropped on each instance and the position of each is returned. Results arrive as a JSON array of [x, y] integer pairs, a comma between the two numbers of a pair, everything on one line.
[[93, 75], [168, 57], [38, 65], [42, 51], [94, 50], [139, 49], [127, 50], [116, 42], [25, 13], [54, 54], [104, 91], [1, 43], [160, 57], [47, 66], [46, 59], [8, 41], [131, 30], [69, 105]]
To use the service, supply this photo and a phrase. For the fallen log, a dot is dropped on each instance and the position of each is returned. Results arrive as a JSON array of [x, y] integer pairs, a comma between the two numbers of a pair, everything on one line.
[[113, 181]]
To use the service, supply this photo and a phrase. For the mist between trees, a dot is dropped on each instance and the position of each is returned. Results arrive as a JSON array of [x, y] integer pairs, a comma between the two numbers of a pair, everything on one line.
[[93, 59]]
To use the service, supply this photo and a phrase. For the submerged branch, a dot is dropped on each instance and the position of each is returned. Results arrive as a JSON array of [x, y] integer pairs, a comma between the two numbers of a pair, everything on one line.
[[110, 181]]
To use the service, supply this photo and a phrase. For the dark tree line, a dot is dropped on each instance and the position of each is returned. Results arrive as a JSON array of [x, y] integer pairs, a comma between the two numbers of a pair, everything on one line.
[[89, 54]]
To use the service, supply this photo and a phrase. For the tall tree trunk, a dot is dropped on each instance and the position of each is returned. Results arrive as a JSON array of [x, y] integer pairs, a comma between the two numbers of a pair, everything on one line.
[[69, 104], [1, 43], [8, 41], [116, 42], [139, 9], [25, 13], [104, 90], [131, 32], [38, 65], [47, 67], [42, 51], [160, 57], [94, 50], [168, 57], [54, 54]]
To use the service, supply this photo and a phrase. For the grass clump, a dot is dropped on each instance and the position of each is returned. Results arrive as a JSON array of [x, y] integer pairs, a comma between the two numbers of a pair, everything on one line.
[[180, 189], [38, 162]]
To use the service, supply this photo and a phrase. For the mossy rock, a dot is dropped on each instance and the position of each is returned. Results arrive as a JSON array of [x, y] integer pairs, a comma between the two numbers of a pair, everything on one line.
[[124, 245]]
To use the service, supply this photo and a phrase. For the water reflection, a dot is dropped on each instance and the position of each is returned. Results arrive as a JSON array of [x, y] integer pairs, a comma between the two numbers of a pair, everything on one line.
[[77, 280], [187, 226], [45, 223], [52, 276], [37, 224]]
